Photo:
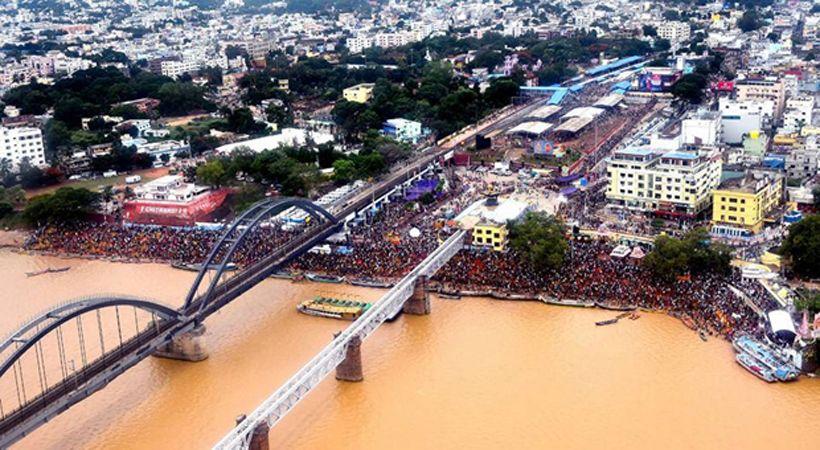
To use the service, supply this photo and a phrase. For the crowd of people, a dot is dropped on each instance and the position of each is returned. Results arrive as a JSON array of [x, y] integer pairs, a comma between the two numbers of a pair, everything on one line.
[[590, 273], [388, 243]]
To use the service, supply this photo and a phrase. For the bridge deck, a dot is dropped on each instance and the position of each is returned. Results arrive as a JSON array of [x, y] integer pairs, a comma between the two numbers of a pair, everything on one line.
[[311, 374]]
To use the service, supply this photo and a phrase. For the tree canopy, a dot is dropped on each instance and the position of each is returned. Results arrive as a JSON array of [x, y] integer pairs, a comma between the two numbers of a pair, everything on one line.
[[802, 247], [694, 253], [540, 238], [64, 205]]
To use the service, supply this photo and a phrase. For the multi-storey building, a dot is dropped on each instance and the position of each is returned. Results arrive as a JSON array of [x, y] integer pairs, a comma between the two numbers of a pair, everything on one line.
[[745, 202], [403, 130], [801, 162], [492, 235], [739, 118], [359, 93], [174, 69], [19, 143], [674, 184], [761, 90], [798, 113], [675, 32]]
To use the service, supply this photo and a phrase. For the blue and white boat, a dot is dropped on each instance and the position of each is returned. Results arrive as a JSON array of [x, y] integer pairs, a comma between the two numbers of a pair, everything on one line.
[[767, 357], [753, 366]]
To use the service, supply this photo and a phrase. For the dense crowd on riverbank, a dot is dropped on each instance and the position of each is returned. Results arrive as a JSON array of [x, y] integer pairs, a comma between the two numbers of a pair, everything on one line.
[[591, 274], [383, 248]]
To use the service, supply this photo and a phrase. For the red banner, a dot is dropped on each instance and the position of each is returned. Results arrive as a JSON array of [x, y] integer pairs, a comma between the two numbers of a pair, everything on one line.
[[159, 212]]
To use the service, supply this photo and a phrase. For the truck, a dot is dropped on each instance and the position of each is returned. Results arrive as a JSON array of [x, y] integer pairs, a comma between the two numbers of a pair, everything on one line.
[[133, 179], [110, 174]]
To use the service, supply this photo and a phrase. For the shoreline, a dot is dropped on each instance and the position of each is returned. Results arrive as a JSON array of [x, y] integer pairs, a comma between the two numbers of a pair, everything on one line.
[[434, 287]]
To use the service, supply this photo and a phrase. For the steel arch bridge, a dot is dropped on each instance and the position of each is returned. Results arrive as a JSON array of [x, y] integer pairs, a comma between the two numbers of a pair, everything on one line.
[[68, 329]]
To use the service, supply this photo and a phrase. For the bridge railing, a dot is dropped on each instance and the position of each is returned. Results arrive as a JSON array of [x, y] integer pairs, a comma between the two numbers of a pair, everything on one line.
[[311, 374]]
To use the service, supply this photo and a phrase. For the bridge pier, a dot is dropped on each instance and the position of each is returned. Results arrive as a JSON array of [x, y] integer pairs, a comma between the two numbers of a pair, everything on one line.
[[259, 435], [350, 369], [419, 303], [185, 347]]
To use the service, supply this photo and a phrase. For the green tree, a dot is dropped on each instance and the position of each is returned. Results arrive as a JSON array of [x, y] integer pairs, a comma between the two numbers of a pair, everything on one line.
[[668, 258], [694, 253], [500, 92], [749, 21], [65, 205], [212, 173], [661, 45], [802, 247], [690, 87], [344, 171], [540, 238]]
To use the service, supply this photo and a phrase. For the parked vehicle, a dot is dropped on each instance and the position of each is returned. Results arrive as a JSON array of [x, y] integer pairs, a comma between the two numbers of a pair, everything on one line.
[[133, 179]]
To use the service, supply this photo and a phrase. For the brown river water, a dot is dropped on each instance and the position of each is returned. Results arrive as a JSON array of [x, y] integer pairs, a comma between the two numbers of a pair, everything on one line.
[[475, 374]]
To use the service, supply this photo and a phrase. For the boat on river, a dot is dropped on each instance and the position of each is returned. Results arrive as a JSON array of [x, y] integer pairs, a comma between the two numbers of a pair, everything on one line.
[[606, 322], [371, 283], [333, 308], [196, 267], [324, 278], [283, 275], [766, 356], [48, 270], [755, 367], [449, 295]]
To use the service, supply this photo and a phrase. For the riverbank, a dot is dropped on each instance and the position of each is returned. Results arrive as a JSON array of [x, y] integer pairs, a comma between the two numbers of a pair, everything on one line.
[[446, 290]]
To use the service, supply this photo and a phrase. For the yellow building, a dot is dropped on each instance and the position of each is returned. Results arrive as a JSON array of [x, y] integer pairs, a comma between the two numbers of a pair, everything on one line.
[[487, 234], [746, 202], [360, 93]]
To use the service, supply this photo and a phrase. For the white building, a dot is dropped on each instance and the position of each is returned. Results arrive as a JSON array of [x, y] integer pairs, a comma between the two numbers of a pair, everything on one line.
[[798, 113], [288, 137], [19, 143], [741, 117], [403, 130], [703, 129], [678, 184], [675, 32], [358, 44], [175, 69]]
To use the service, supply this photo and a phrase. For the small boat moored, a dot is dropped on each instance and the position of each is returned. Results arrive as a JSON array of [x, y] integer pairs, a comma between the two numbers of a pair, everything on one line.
[[324, 278], [48, 270], [367, 282], [606, 322]]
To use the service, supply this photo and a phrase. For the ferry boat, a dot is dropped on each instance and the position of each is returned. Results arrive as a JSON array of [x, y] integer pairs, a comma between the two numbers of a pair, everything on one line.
[[324, 278], [766, 356], [753, 366], [333, 308]]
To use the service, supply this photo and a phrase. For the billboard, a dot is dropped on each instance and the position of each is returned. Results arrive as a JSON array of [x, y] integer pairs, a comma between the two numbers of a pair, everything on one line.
[[723, 86], [657, 81]]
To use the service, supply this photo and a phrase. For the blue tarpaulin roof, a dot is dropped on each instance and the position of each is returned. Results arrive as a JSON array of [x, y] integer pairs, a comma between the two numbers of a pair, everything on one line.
[[623, 86], [613, 65], [558, 96]]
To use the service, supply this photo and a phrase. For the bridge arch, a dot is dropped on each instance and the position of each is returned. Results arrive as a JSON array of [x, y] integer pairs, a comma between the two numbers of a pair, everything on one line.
[[223, 251], [34, 330]]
